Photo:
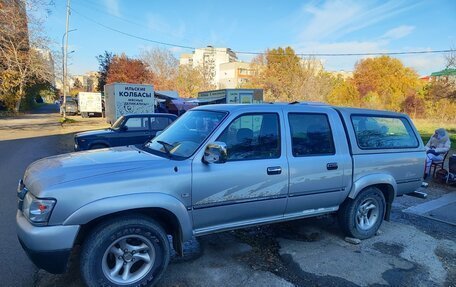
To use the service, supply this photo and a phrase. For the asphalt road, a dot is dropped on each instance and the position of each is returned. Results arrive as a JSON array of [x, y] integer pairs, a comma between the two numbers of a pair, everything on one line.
[[15, 156], [411, 250]]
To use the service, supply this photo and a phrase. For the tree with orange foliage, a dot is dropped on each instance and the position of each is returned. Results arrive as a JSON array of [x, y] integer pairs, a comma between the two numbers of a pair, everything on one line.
[[123, 69], [387, 80]]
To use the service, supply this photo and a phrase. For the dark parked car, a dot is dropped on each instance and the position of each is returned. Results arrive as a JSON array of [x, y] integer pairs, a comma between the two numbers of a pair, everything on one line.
[[127, 130]]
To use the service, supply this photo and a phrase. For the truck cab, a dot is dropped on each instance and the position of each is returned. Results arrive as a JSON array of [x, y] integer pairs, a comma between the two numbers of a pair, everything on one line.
[[216, 168]]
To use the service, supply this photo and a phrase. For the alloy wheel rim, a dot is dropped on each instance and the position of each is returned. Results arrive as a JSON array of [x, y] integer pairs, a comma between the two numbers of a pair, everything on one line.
[[128, 259], [367, 214]]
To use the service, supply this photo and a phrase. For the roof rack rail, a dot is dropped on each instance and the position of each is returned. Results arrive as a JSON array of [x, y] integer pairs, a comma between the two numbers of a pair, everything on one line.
[[309, 103]]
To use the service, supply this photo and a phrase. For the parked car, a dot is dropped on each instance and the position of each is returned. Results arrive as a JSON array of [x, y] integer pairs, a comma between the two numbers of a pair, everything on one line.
[[217, 168], [127, 130], [70, 108]]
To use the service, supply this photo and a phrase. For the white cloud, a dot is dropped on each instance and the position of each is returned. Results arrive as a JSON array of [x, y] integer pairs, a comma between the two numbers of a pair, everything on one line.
[[334, 19], [424, 64], [159, 25], [113, 7], [322, 25], [327, 20], [398, 32]]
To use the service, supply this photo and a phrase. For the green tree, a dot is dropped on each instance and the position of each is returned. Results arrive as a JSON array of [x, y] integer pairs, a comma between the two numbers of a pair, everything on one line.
[[104, 61]]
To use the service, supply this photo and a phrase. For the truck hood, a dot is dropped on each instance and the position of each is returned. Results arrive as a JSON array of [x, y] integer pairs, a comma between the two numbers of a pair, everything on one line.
[[94, 133], [69, 167]]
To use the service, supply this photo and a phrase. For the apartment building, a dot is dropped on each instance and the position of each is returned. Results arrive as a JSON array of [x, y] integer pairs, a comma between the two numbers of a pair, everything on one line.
[[211, 58], [233, 75]]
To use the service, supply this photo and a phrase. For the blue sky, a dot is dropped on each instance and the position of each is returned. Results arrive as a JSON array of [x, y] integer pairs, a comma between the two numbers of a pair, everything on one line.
[[248, 25]]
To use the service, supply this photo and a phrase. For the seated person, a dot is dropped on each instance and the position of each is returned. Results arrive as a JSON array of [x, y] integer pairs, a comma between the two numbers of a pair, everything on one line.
[[437, 146]]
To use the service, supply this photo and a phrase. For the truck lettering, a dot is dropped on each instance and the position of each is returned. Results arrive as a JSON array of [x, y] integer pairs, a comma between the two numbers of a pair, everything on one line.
[[135, 94]]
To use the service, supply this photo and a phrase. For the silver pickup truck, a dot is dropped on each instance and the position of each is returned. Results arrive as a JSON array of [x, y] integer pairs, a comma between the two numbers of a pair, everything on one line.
[[217, 168]]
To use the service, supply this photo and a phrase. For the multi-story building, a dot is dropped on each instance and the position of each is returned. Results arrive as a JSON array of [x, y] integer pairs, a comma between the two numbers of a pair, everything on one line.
[[232, 75], [210, 58], [186, 59]]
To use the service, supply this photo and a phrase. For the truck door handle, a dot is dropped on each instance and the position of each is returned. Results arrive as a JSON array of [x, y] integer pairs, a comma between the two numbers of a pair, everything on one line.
[[332, 166], [274, 170]]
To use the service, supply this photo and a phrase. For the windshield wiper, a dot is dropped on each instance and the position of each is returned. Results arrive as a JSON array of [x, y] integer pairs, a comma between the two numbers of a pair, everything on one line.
[[165, 147]]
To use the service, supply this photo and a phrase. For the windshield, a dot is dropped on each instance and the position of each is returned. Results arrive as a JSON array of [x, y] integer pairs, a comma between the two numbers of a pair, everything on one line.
[[118, 123], [186, 134]]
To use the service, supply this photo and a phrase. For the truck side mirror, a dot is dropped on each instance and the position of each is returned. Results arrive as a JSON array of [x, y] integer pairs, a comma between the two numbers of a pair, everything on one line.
[[124, 128], [215, 153]]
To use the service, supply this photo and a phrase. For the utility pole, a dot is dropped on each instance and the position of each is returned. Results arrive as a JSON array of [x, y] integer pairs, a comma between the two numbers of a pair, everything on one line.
[[65, 55]]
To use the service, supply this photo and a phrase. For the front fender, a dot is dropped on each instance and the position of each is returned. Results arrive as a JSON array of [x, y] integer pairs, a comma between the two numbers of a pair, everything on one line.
[[121, 203], [372, 179]]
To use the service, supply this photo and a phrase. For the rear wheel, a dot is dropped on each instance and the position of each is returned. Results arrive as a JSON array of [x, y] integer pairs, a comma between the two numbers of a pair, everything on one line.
[[126, 251], [361, 217]]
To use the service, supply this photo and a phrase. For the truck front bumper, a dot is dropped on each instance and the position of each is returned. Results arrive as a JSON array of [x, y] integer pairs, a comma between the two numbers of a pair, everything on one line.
[[48, 247]]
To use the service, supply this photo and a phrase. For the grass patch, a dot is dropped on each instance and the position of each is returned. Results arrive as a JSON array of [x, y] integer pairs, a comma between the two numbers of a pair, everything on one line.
[[67, 121]]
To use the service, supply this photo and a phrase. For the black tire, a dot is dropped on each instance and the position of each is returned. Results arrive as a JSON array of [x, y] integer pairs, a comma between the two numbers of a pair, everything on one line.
[[98, 146], [103, 236], [351, 221]]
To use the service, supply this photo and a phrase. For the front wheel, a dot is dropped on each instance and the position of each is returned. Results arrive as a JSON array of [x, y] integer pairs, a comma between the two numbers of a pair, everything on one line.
[[126, 251], [361, 217]]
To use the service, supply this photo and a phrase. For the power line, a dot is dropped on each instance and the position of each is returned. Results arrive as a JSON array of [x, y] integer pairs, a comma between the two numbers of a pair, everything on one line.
[[95, 6], [131, 35], [262, 53], [357, 54]]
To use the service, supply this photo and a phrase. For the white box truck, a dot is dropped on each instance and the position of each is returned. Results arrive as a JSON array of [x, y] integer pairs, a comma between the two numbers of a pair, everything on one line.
[[90, 104], [123, 98]]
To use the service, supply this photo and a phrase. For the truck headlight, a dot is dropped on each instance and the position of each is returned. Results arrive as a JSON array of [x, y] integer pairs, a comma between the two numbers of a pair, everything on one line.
[[37, 210]]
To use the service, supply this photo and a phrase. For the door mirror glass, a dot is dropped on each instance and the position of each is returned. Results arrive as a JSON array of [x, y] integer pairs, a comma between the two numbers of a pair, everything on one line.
[[215, 153]]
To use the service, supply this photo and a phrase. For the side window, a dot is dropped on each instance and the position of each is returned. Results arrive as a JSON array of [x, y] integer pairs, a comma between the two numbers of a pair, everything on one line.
[[159, 123], [252, 136], [376, 132], [310, 134], [137, 124]]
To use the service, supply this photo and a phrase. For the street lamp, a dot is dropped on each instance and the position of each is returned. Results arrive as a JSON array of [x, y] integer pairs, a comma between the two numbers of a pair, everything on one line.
[[64, 63]]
